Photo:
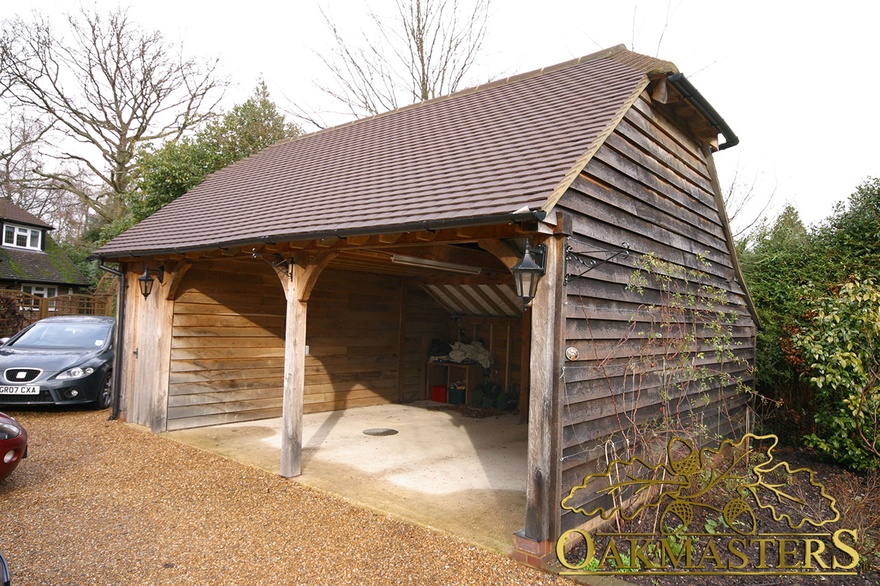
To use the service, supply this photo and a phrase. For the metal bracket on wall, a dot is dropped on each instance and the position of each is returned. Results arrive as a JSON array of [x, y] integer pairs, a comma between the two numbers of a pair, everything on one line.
[[582, 259], [280, 263]]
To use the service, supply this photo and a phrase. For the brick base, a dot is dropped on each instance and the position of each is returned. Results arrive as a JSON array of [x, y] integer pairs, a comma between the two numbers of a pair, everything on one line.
[[531, 552]]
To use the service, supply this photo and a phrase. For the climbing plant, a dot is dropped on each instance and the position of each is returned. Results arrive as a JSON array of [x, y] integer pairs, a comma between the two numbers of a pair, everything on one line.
[[684, 375]]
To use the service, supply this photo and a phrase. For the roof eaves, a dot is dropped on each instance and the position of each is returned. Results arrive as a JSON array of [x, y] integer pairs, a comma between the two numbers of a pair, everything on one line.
[[518, 216]]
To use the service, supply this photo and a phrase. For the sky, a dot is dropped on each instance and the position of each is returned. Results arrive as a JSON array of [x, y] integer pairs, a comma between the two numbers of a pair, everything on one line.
[[796, 81]]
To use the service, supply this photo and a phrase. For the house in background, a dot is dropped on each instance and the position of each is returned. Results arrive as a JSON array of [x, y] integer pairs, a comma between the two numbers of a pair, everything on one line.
[[30, 261], [315, 274]]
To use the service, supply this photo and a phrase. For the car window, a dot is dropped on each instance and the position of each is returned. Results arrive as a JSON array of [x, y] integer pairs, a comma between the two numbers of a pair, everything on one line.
[[64, 335]]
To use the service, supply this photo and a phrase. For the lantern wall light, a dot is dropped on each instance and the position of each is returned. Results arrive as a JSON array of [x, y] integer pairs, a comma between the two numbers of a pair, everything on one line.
[[528, 271], [145, 281]]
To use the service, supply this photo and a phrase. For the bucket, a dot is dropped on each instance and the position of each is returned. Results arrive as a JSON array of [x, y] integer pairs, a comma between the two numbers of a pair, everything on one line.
[[438, 393]]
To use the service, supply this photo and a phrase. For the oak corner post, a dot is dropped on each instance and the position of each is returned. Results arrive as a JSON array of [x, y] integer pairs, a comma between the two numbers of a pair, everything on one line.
[[543, 481]]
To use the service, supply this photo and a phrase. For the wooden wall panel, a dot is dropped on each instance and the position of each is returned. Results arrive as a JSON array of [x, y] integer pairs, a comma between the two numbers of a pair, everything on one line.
[[650, 186], [227, 354], [503, 338], [227, 348], [424, 321], [353, 334]]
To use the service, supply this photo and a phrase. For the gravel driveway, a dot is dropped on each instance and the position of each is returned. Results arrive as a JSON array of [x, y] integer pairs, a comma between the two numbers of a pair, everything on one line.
[[102, 502]]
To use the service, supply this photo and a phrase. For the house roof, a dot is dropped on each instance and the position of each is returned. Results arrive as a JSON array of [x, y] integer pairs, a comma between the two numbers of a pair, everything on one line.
[[13, 213], [32, 266], [481, 155]]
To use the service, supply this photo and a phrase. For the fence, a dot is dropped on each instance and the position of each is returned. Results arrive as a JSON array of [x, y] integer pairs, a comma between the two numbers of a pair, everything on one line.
[[18, 309]]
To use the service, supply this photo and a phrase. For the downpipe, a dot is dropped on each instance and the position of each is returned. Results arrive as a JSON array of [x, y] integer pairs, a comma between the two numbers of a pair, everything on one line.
[[117, 344]]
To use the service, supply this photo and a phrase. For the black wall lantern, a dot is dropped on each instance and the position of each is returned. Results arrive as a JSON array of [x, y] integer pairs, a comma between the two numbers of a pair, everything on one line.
[[145, 281], [528, 271]]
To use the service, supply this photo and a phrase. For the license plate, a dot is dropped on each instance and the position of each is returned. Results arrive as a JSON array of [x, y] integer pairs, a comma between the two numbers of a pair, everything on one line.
[[23, 390]]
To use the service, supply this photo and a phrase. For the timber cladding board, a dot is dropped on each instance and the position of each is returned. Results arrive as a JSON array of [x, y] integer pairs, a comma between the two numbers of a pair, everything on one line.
[[423, 320], [635, 360], [650, 186], [650, 393], [227, 357], [583, 444], [353, 334], [602, 185], [588, 297], [227, 348]]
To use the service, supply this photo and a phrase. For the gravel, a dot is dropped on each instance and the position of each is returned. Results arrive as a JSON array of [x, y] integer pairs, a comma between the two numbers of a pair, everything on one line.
[[104, 502]]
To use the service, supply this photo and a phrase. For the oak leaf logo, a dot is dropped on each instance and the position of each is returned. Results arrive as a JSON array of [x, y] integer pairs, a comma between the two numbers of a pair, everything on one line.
[[734, 479]]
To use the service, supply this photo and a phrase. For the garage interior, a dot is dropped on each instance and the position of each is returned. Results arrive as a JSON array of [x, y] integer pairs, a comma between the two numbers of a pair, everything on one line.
[[380, 326]]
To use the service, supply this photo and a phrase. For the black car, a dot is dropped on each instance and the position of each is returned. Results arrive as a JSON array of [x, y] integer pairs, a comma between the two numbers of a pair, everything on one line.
[[64, 360]]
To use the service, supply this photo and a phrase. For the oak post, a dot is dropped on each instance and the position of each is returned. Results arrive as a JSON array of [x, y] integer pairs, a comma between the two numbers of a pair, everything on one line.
[[543, 481], [294, 372]]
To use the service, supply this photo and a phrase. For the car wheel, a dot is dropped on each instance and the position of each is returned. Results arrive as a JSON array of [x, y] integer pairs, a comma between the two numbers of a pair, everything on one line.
[[105, 393]]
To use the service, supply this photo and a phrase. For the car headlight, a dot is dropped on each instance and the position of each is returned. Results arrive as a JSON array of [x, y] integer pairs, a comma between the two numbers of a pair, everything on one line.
[[9, 431], [76, 372]]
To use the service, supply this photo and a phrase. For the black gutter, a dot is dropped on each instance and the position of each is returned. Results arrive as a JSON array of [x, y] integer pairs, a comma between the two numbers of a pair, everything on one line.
[[120, 326], [516, 217], [692, 95]]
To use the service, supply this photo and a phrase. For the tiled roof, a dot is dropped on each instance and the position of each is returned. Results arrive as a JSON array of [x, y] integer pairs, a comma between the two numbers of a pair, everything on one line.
[[13, 213], [32, 266], [481, 153]]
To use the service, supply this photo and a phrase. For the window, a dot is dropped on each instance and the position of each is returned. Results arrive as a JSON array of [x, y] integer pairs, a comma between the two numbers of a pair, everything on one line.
[[21, 237], [40, 290], [44, 291]]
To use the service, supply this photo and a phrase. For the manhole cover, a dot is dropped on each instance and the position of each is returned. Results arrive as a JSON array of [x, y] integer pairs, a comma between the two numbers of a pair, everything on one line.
[[380, 431]]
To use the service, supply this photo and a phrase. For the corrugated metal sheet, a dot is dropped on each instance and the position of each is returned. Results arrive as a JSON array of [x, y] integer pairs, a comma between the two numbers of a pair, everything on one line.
[[480, 153]]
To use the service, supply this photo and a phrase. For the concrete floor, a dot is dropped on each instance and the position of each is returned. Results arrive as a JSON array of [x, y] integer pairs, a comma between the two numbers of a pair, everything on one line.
[[462, 475]]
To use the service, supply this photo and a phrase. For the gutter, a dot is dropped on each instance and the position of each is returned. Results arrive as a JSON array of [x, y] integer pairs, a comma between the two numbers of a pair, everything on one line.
[[515, 217], [692, 95], [120, 325]]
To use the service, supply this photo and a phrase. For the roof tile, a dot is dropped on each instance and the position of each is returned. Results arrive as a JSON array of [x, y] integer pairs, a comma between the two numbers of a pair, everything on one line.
[[486, 151]]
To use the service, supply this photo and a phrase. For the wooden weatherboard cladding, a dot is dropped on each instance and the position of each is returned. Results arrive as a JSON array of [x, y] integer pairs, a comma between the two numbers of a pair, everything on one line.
[[649, 186], [227, 348], [351, 331], [368, 337]]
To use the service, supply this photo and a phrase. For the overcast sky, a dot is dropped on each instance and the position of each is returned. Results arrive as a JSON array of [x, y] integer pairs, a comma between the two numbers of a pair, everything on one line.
[[796, 81]]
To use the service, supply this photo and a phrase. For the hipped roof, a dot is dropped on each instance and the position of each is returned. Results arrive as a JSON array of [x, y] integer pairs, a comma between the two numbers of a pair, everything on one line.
[[476, 156]]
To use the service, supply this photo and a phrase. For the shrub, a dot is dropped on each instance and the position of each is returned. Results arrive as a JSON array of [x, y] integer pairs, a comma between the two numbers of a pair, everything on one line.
[[840, 342]]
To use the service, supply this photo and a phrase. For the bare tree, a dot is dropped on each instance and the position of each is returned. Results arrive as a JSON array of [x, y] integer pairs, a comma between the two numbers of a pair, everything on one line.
[[107, 86], [742, 203], [19, 158], [424, 52], [24, 181]]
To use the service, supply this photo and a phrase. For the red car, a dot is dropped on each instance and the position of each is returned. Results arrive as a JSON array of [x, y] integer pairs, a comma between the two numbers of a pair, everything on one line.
[[13, 444]]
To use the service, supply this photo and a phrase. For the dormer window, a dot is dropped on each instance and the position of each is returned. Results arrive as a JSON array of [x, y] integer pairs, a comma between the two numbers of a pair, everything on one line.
[[22, 237]]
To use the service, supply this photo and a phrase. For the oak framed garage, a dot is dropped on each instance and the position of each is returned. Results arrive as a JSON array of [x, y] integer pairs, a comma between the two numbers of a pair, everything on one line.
[[289, 282]]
